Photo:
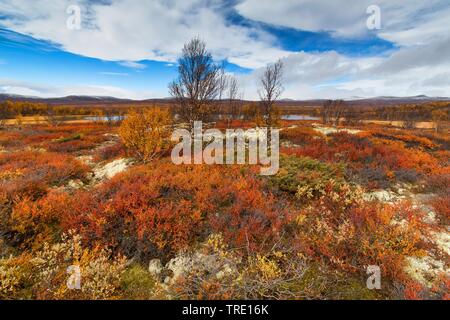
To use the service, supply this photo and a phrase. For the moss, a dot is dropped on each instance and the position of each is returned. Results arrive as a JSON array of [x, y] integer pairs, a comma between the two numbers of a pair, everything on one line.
[[298, 172], [137, 283], [320, 282], [71, 138], [355, 289]]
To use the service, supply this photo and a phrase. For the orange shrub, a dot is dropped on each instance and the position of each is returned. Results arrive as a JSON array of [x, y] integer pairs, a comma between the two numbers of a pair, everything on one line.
[[38, 222], [74, 143], [154, 211], [146, 133], [109, 152], [31, 173], [57, 139], [11, 139], [441, 205], [373, 162], [300, 135], [350, 234], [234, 124], [401, 135]]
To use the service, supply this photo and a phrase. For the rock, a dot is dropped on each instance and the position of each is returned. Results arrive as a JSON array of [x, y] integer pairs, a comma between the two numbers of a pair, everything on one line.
[[155, 267], [381, 195], [199, 264], [111, 169], [179, 265], [75, 184]]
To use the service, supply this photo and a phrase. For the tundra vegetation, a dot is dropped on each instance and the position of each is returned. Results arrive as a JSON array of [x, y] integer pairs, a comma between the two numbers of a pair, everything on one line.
[[221, 232], [105, 196]]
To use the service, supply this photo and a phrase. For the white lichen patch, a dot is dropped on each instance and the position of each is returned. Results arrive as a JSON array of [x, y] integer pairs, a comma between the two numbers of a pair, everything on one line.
[[442, 240], [111, 169], [330, 130], [425, 269], [75, 184], [382, 196], [86, 160]]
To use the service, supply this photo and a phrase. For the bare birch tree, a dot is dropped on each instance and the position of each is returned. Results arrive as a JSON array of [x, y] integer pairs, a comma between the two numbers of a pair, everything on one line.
[[198, 82], [271, 89]]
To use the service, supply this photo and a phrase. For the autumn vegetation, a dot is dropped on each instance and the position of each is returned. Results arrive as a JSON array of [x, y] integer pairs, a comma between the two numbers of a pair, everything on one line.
[[221, 231]]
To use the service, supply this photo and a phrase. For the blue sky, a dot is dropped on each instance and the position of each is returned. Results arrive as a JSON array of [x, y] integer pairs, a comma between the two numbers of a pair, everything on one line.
[[27, 59], [327, 51]]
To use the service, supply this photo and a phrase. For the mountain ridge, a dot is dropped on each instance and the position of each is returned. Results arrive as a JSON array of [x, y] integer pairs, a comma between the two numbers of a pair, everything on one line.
[[81, 99]]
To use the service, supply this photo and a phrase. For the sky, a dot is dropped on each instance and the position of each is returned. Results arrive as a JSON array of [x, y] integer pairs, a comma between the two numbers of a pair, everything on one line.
[[128, 48]]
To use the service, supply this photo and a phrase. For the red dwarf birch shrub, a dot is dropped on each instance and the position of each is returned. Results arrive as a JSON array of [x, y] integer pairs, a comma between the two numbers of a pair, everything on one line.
[[156, 210], [31, 173], [349, 234]]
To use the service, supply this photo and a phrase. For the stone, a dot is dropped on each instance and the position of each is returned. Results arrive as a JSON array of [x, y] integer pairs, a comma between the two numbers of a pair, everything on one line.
[[381, 195], [111, 169], [155, 267]]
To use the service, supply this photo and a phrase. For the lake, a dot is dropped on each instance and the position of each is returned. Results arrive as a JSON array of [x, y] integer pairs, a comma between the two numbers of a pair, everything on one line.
[[298, 117], [283, 117]]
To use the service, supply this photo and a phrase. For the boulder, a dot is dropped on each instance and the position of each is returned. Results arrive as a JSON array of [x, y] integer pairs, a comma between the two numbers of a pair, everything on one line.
[[155, 267]]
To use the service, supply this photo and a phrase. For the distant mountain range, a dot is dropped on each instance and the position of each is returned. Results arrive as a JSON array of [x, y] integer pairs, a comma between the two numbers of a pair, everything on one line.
[[103, 100]]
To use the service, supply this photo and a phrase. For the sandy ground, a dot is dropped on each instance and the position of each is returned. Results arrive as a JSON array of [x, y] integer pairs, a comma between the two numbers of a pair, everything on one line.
[[399, 124], [43, 120]]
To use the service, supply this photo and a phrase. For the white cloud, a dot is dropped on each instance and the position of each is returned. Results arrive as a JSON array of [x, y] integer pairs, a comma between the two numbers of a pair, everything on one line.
[[32, 89], [129, 30], [133, 65], [329, 74], [419, 29], [348, 18]]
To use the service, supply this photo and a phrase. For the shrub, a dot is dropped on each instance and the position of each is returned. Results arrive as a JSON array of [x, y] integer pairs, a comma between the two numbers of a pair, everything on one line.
[[145, 134], [402, 135], [300, 135], [155, 211], [70, 138], [109, 152], [37, 222], [439, 183], [44, 275], [371, 161], [205, 272], [213, 271], [137, 284], [305, 176], [407, 175], [15, 277], [350, 234], [31, 173], [75, 143], [441, 205], [372, 178]]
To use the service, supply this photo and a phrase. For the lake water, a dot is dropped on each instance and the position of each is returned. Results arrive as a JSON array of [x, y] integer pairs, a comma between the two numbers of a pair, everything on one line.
[[298, 117], [103, 118], [283, 117]]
